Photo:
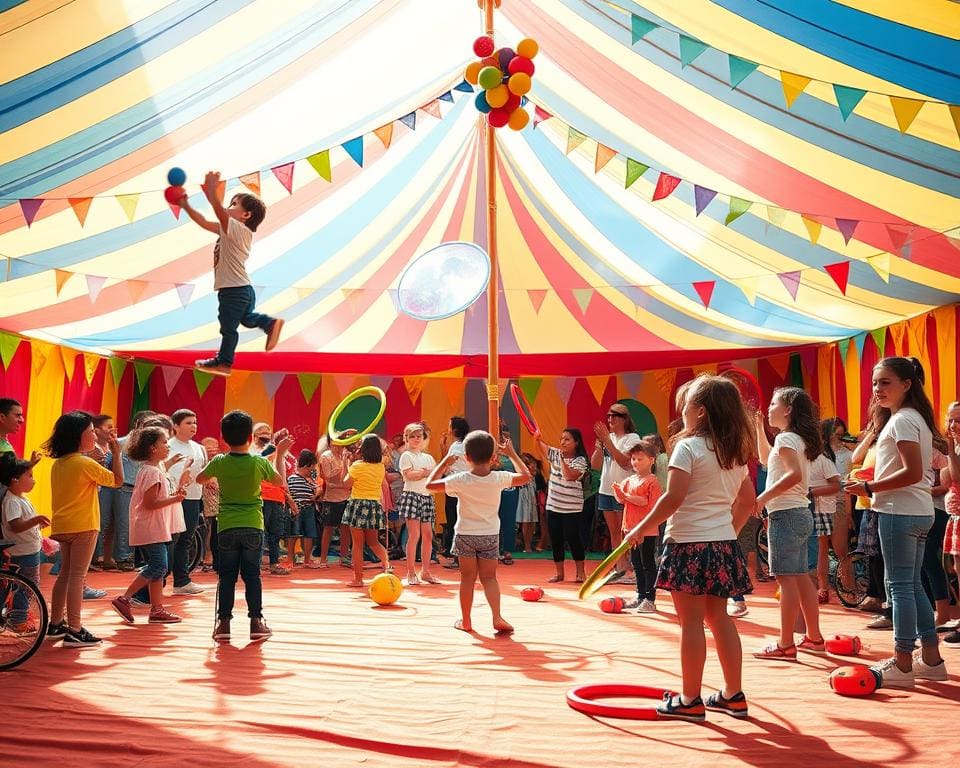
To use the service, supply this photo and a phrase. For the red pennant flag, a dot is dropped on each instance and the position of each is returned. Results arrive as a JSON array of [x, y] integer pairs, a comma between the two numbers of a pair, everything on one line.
[[840, 272], [30, 207], [539, 115], [176, 210], [80, 205], [704, 290], [665, 186], [284, 174]]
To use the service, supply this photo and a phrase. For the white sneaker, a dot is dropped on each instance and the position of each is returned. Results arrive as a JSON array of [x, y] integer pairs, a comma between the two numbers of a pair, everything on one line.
[[631, 605], [647, 606], [923, 671], [737, 608], [891, 676], [190, 588], [880, 622]]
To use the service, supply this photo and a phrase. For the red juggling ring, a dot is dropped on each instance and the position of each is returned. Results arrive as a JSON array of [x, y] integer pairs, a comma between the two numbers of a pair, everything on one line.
[[523, 409], [583, 698]]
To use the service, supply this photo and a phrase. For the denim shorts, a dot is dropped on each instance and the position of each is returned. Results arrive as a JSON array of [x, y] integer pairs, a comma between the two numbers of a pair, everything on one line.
[[788, 532], [156, 556], [608, 503], [484, 547]]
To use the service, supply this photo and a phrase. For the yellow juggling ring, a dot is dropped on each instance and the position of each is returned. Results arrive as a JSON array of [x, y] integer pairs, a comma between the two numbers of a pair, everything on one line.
[[356, 395]]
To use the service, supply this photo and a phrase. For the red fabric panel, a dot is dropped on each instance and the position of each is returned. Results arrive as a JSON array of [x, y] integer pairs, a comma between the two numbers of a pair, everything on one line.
[[15, 383], [582, 412], [871, 357], [301, 418], [933, 356], [402, 412], [80, 396], [209, 408], [840, 376]]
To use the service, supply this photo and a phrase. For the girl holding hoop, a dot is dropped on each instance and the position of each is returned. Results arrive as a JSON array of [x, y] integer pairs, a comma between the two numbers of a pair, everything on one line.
[[364, 514], [416, 503]]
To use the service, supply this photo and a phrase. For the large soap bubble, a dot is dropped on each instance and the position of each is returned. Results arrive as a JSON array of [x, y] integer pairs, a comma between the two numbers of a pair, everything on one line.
[[444, 281]]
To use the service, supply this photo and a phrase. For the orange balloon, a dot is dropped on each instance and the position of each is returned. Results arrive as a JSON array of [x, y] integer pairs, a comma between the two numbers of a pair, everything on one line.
[[497, 97], [472, 71], [518, 119], [528, 48], [520, 83]]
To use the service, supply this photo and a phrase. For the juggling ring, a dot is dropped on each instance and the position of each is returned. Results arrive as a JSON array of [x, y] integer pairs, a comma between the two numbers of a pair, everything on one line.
[[356, 395], [602, 573], [523, 409], [583, 699]]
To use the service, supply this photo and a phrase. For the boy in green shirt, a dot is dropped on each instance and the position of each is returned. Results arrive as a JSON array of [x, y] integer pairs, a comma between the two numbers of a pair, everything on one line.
[[240, 520]]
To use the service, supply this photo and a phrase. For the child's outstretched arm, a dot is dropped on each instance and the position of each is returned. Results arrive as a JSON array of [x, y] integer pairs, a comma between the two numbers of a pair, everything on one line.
[[522, 476], [435, 481], [210, 184], [198, 218]]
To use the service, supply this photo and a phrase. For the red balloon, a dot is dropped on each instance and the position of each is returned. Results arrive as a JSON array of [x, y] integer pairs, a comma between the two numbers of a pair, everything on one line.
[[513, 101], [531, 594], [498, 117], [489, 61], [520, 64], [174, 195], [483, 46]]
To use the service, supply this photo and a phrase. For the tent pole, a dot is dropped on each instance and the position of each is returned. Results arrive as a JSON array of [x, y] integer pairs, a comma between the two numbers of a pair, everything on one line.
[[493, 328]]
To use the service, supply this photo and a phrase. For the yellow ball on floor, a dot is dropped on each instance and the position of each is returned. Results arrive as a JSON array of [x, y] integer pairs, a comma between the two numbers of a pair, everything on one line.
[[385, 589]]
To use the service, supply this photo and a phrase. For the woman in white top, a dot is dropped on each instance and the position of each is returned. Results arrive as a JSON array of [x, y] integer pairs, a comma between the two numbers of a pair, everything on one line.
[[790, 523], [901, 496]]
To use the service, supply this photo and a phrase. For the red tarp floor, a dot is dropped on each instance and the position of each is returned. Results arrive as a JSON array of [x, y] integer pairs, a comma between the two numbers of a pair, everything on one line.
[[344, 682]]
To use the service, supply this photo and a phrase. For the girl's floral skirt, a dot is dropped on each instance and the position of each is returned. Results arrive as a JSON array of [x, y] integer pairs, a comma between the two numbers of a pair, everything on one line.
[[716, 568]]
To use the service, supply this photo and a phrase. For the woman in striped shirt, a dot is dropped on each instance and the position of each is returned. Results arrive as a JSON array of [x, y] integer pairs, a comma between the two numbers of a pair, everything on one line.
[[568, 464]]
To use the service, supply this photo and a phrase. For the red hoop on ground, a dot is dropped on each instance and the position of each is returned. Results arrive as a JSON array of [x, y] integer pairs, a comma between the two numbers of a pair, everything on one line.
[[583, 699], [748, 385], [523, 409]]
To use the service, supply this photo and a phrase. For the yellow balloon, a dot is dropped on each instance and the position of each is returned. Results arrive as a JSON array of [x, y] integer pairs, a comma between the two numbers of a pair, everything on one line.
[[518, 119], [473, 72], [520, 83], [528, 48], [497, 97]]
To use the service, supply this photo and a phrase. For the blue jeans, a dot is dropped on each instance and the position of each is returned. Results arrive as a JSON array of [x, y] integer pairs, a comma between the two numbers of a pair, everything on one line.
[[30, 569], [180, 567], [240, 552], [115, 516], [902, 540], [274, 526], [509, 499], [236, 309], [157, 565], [143, 594]]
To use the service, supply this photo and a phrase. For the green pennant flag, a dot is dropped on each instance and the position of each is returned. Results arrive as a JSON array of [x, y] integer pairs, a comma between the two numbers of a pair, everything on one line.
[[879, 337], [202, 380], [739, 69], [117, 366], [143, 371], [634, 171], [321, 164], [8, 348], [308, 384], [690, 49], [844, 346], [847, 99], [530, 389], [639, 27], [738, 207]]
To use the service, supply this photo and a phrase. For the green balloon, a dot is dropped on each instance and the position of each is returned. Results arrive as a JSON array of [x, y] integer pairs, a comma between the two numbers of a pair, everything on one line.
[[489, 77]]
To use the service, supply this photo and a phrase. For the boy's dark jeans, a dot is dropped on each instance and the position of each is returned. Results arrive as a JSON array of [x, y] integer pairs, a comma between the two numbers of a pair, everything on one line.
[[240, 553], [236, 309]]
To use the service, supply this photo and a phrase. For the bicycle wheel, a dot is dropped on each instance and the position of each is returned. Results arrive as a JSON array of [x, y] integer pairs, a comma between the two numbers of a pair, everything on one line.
[[763, 550], [195, 550], [18, 642], [853, 579]]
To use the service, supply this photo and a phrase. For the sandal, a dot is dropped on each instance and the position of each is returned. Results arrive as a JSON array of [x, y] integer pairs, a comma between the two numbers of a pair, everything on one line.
[[506, 560], [812, 646], [354, 583], [823, 596], [774, 651], [279, 570], [429, 578], [555, 579]]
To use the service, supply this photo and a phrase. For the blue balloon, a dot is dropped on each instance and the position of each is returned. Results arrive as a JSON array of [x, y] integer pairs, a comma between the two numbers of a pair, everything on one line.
[[176, 177], [481, 102]]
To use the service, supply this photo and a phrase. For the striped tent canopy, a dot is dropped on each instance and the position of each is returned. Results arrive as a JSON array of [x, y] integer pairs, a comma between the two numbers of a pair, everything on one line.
[[706, 180]]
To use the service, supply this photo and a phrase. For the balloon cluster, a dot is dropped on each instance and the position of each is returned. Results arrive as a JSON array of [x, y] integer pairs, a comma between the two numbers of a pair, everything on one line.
[[505, 76], [176, 178]]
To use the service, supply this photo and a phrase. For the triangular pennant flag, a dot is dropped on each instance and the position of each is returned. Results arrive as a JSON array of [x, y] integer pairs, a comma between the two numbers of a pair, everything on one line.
[[899, 333], [859, 341], [847, 227], [308, 384], [604, 155], [776, 216], [574, 139], [343, 383], [414, 387], [665, 380], [955, 114], [598, 385], [117, 366], [69, 361], [749, 287], [284, 174], [780, 364], [385, 133], [840, 272], [320, 162], [185, 291], [175, 210], [94, 286], [252, 182], [464, 87], [539, 115], [8, 348], [453, 388], [881, 265], [739, 69], [171, 376], [90, 364], [665, 186], [791, 281], [564, 386], [847, 99], [410, 120], [129, 204], [899, 234], [81, 206], [844, 346], [793, 86], [142, 372], [536, 295], [704, 289], [690, 49], [738, 207], [136, 289], [433, 109], [905, 110], [354, 148], [813, 228], [702, 197], [394, 295], [272, 381], [61, 276], [303, 292], [583, 297], [879, 337], [808, 361], [639, 27], [530, 388], [635, 170], [221, 189], [447, 96], [202, 380], [632, 382], [29, 207]]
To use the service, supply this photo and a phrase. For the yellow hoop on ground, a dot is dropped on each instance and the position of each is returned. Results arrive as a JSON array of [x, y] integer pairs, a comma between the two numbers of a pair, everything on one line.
[[356, 395], [604, 572]]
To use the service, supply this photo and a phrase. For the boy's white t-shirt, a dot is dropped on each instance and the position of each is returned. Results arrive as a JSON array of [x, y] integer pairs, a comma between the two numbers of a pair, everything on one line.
[[906, 425], [192, 450], [478, 501], [706, 514], [821, 470], [230, 256], [416, 460], [613, 472], [794, 497], [15, 508]]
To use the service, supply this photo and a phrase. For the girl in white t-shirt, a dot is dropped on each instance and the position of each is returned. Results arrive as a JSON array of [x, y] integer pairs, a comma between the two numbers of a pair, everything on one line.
[[790, 523], [901, 497], [416, 504], [824, 482], [156, 515], [709, 496]]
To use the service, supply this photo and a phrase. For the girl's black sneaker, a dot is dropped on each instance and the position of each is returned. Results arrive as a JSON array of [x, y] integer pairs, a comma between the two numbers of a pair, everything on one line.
[[673, 708]]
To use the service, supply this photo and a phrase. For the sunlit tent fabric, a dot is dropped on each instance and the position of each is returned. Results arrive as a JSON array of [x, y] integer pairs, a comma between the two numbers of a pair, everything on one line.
[[706, 180]]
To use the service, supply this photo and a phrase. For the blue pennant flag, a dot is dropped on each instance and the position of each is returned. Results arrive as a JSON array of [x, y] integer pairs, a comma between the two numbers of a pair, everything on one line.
[[448, 96], [464, 86], [354, 148], [410, 121]]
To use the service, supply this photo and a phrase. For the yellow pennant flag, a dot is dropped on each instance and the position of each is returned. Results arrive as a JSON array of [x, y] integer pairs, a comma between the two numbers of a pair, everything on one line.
[[776, 216], [905, 110], [321, 164], [69, 361], [61, 276], [598, 385], [749, 287], [90, 364], [793, 86], [813, 228], [881, 265], [574, 139], [129, 204]]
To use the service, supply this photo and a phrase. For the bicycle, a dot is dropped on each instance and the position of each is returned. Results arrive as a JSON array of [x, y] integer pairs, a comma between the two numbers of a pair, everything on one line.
[[18, 642], [851, 579]]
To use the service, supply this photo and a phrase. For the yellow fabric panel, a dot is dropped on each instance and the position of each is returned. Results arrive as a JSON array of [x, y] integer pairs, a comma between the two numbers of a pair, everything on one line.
[[851, 369], [109, 400], [937, 16], [917, 338], [945, 319], [47, 378], [658, 401], [825, 383], [250, 395]]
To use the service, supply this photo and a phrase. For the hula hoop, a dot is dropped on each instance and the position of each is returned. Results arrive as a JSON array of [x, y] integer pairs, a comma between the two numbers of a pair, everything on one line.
[[748, 385], [523, 409], [583, 699], [356, 395], [603, 572]]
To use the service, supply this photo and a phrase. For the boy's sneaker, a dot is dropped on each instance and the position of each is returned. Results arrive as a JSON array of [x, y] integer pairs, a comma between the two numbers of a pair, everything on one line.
[[221, 632], [57, 631], [259, 629], [647, 606], [891, 676], [190, 588], [673, 708], [952, 638], [881, 622], [89, 593], [737, 608], [632, 605], [24, 628], [923, 671], [162, 616], [214, 365], [735, 706], [122, 606], [273, 335], [80, 639]]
